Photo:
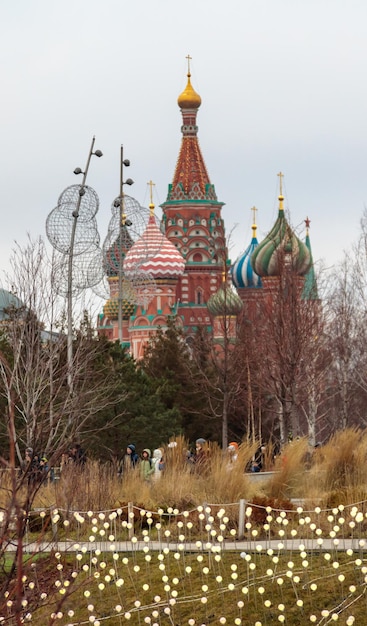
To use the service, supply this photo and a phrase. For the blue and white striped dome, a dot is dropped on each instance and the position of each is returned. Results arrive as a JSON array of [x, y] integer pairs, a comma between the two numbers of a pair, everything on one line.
[[243, 276]]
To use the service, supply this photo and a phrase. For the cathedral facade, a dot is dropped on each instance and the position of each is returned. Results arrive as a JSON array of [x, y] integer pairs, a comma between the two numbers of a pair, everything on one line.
[[186, 257]]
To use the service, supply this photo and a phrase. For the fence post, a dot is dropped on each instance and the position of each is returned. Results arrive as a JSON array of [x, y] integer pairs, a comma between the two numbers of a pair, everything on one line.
[[241, 519], [130, 518], [54, 528]]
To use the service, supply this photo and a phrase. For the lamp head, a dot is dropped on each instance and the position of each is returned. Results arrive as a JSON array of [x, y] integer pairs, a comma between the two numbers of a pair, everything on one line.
[[126, 162], [129, 181], [77, 170], [98, 153]]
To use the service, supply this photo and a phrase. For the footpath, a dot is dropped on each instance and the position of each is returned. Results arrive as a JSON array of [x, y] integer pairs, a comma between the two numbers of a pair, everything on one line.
[[261, 545]]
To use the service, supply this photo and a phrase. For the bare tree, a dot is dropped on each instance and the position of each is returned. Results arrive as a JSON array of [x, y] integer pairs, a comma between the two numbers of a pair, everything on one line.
[[287, 327], [42, 411], [347, 336]]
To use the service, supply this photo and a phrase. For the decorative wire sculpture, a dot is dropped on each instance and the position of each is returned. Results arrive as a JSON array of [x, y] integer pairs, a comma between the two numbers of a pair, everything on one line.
[[89, 202], [122, 234], [72, 230], [60, 221], [92, 266], [138, 287], [59, 227], [87, 271]]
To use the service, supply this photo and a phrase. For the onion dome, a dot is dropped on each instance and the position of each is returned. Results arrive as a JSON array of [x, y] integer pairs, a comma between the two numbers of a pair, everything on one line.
[[281, 246], [243, 276], [189, 99], [117, 251], [154, 253], [224, 302], [111, 309], [9, 302]]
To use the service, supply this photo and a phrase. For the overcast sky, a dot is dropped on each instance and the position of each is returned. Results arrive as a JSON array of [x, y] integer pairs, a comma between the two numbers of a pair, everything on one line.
[[283, 87]]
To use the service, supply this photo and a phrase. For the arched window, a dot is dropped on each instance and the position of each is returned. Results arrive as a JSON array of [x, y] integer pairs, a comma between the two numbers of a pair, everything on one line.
[[199, 296]]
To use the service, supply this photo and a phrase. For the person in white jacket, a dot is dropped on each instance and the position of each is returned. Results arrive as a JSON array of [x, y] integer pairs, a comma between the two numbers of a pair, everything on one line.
[[157, 462]]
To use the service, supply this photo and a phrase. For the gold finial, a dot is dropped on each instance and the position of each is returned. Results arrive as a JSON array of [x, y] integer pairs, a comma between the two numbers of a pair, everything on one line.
[[281, 197], [307, 222], [188, 65], [189, 99], [254, 209], [151, 204], [224, 274]]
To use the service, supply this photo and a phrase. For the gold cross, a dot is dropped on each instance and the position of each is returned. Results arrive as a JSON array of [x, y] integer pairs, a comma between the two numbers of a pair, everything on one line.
[[254, 209], [151, 185], [188, 63], [280, 183], [151, 204]]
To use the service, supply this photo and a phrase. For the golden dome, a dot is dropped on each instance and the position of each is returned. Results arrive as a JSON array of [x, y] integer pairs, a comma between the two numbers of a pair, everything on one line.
[[111, 307], [189, 99]]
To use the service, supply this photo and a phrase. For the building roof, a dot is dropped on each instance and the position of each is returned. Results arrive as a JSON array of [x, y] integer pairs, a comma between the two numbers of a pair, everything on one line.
[[279, 245], [154, 253], [243, 275], [8, 300], [224, 302], [191, 179]]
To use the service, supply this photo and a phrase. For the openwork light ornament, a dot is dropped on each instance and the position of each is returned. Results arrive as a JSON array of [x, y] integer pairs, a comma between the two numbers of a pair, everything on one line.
[[143, 285], [89, 201], [59, 228], [137, 288], [127, 225], [86, 269]]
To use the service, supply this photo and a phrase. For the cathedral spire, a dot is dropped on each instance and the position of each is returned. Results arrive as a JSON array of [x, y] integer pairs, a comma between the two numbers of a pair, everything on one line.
[[151, 203], [281, 197], [191, 180], [254, 227], [189, 99]]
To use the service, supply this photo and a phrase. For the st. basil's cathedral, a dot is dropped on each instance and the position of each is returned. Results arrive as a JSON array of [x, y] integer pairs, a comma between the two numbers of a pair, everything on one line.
[[187, 256]]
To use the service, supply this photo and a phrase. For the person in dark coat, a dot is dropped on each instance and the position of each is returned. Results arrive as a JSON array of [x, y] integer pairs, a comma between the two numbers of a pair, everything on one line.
[[77, 455], [129, 461], [200, 459]]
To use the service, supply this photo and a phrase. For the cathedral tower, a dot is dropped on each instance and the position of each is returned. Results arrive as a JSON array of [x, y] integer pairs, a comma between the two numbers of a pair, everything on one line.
[[193, 222]]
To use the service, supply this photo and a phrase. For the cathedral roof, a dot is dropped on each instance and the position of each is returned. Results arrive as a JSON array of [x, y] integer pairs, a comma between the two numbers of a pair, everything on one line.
[[242, 272], [154, 253], [224, 302], [116, 252], [189, 99], [8, 301], [191, 180], [310, 287], [111, 308], [279, 246]]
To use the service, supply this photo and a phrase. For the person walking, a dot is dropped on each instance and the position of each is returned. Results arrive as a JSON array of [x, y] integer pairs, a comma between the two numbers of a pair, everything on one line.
[[200, 459], [129, 461], [232, 454], [158, 463], [146, 465]]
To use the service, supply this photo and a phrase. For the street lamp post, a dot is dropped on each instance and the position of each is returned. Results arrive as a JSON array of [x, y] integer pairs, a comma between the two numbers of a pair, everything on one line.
[[123, 223], [75, 216]]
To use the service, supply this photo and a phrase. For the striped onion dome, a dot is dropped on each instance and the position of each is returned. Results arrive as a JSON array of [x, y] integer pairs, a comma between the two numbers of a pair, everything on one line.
[[154, 253], [224, 302], [268, 257], [242, 273]]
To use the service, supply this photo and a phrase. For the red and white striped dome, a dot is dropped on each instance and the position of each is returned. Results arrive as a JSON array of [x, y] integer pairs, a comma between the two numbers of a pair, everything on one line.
[[154, 253]]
